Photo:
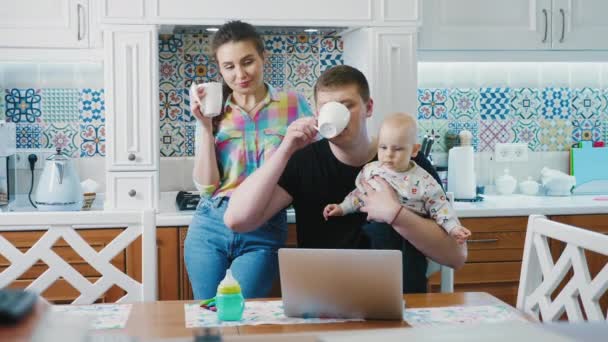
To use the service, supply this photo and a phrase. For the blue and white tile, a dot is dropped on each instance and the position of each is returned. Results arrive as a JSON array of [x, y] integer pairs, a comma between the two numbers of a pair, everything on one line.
[[274, 44], [492, 132], [455, 127], [92, 106], [587, 103], [527, 131], [332, 44], [436, 128], [330, 59], [525, 103], [274, 70], [302, 68], [555, 135], [93, 140], [190, 139], [495, 103], [169, 70], [198, 68], [170, 43], [463, 104], [172, 139], [62, 135], [432, 104], [60, 104], [170, 102], [302, 43], [197, 43], [186, 115], [28, 135], [303, 88], [23, 105], [556, 103], [587, 130]]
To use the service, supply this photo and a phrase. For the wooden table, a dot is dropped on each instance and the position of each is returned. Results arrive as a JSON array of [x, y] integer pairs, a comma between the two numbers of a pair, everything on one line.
[[163, 319]]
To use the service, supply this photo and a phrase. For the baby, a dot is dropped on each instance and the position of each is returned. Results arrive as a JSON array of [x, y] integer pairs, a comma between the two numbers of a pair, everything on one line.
[[416, 188]]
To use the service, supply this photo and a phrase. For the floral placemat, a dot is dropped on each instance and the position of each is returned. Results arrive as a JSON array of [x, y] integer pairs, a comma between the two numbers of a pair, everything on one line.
[[101, 316]]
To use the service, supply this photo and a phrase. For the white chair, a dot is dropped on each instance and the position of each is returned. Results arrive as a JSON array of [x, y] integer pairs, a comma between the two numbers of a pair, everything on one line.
[[65, 225], [447, 273], [540, 276]]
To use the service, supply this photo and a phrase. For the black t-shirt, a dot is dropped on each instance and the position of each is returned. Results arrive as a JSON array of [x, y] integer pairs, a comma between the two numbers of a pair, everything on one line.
[[314, 177]]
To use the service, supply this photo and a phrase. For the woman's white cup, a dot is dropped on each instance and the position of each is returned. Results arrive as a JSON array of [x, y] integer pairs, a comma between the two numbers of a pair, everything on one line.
[[211, 103], [333, 118]]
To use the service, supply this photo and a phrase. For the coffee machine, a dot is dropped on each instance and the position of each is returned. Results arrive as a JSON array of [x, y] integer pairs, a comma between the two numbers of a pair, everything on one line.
[[7, 163]]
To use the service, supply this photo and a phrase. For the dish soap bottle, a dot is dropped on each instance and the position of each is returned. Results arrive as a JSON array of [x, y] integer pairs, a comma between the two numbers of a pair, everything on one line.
[[229, 299]]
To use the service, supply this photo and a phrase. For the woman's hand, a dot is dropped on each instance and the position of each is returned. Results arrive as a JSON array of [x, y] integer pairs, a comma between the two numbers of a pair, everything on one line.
[[196, 95], [381, 204], [299, 134]]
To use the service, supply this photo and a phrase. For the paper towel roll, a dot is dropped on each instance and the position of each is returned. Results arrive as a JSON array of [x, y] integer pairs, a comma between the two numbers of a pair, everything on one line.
[[461, 172]]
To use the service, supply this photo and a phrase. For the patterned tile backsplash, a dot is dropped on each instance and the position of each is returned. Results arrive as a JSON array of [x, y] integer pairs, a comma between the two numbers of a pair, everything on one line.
[[547, 119], [71, 119]]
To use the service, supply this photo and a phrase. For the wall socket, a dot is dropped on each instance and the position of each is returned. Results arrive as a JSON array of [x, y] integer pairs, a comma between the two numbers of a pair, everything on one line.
[[512, 152], [22, 162]]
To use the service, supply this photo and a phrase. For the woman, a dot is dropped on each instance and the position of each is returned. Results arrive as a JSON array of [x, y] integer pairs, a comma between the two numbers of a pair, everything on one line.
[[231, 146]]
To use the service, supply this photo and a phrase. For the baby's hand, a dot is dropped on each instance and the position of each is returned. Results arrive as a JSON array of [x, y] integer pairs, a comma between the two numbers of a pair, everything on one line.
[[332, 210], [461, 234]]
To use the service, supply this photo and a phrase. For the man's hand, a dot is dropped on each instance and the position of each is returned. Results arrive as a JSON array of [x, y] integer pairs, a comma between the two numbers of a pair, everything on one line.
[[332, 210], [381, 204], [299, 134]]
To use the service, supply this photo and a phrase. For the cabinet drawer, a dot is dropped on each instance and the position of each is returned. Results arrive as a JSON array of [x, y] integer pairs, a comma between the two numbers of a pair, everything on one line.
[[485, 272], [132, 190], [496, 224]]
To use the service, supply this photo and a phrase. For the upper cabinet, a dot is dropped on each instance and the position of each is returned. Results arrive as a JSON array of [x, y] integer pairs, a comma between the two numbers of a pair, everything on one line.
[[513, 25], [45, 24], [262, 12]]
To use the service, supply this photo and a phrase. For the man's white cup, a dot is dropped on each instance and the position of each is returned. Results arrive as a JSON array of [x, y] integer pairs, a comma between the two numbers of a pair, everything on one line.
[[333, 118], [211, 103]]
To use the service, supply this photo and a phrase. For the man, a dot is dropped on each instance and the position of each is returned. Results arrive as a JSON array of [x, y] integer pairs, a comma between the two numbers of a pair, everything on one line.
[[310, 174]]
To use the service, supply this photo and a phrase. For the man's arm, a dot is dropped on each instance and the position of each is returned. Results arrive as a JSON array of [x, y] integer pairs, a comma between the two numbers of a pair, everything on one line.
[[382, 205], [259, 197]]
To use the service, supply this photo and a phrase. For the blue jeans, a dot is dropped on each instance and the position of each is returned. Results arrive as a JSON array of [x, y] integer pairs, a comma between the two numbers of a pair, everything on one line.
[[211, 248]]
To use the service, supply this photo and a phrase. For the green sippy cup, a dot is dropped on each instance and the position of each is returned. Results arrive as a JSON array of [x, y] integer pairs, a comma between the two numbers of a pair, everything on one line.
[[229, 299]]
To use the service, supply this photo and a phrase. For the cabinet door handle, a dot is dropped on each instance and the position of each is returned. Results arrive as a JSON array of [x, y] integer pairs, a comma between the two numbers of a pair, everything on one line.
[[482, 241], [131, 156], [132, 193], [546, 25], [561, 10], [79, 9]]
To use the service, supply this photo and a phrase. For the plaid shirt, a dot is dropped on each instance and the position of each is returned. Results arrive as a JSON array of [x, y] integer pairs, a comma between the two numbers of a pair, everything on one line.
[[243, 143]]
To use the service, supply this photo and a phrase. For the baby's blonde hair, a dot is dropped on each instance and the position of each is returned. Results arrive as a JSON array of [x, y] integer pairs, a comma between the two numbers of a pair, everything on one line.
[[402, 121]]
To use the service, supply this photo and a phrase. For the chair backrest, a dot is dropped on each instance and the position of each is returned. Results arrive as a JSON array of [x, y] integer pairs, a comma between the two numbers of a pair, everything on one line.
[[540, 276], [447, 273], [65, 225]]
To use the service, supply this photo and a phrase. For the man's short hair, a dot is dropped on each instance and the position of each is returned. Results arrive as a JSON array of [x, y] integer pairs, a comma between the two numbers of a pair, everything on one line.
[[342, 75]]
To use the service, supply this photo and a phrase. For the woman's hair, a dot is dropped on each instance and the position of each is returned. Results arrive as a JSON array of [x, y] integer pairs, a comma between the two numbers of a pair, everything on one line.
[[342, 75], [233, 31]]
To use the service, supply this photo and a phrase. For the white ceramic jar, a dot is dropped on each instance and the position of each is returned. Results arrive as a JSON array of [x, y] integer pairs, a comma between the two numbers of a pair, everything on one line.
[[506, 184], [529, 187]]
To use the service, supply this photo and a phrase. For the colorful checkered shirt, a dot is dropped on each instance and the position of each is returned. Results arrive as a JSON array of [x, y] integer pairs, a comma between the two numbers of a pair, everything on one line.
[[243, 143]]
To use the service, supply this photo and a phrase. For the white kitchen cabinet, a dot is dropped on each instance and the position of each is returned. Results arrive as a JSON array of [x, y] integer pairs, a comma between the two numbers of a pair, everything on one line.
[[336, 13], [132, 190], [387, 57], [45, 23], [131, 83], [131, 80], [513, 25]]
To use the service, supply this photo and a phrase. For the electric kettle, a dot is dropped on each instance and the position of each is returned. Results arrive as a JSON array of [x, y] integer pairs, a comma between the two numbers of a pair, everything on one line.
[[59, 186]]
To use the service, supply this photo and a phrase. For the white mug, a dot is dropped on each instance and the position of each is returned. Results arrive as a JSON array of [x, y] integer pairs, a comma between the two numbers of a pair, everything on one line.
[[211, 103], [333, 118]]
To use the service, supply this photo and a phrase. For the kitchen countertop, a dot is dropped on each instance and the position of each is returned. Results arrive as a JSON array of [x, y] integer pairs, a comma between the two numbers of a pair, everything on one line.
[[492, 206]]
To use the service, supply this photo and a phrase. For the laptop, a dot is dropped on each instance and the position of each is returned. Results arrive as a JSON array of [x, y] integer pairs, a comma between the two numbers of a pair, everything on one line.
[[341, 283]]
